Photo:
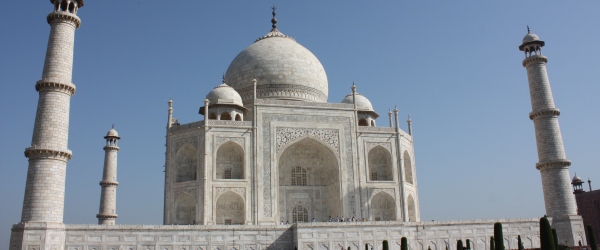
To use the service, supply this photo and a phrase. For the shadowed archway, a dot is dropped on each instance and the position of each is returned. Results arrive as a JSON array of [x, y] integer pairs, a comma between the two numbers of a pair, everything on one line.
[[309, 176]]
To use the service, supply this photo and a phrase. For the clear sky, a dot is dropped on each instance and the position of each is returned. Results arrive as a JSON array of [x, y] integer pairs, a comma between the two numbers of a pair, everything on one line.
[[453, 66]]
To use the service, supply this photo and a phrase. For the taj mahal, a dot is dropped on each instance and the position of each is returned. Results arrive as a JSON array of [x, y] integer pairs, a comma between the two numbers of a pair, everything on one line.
[[273, 163]]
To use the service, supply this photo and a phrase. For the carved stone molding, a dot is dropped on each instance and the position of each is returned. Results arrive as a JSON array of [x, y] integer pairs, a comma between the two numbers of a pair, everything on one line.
[[386, 145], [374, 191], [239, 140], [35, 152], [328, 136], [238, 190], [267, 134], [67, 88]]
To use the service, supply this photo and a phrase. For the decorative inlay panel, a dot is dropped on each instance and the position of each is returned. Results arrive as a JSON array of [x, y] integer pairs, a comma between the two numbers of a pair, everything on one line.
[[328, 136], [374, 191], [239, 190], [346, 150], [220, 140], [386, 145]]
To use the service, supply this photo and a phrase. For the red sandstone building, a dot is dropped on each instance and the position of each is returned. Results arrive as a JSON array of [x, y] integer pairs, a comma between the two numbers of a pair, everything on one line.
[[588, 204]]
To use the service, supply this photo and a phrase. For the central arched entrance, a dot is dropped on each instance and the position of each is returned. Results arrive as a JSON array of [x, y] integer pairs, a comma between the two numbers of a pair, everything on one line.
[[308, 182]]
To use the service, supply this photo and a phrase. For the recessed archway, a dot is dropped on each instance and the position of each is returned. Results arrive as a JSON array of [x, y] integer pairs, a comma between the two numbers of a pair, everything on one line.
[[230, 209], [185, 164], [408, 168], [380, 164], [309, 176], [185, 210], [412, 209], [230, 161], [383, 207]]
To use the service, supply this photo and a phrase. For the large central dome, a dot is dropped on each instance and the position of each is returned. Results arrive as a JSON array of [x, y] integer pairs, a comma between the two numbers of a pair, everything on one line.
[[283, 68]]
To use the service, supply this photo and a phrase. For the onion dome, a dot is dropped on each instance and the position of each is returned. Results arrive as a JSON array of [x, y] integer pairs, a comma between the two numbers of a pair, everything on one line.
[[283, 68], [576, 180], [112, 133], [531, 38], [223, 94], [362, 103]]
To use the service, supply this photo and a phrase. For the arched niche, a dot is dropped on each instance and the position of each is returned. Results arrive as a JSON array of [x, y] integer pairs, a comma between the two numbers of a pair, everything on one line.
[[383, 207], [363, 122], [380, 164], [230, 161], [408, 168], [185, 210], [225, 116], [230, 209], [186, 163], [309, 176], [412, 208], [238, 117]]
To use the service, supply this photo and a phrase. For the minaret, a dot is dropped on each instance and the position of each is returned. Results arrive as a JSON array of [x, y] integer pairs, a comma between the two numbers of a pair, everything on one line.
[[108, 198], [553, 163], [48, 154]]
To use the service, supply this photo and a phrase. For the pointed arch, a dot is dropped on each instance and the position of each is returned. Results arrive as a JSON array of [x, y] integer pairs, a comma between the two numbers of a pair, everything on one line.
[[230, 209], [186, 163], [363, 122], [230, 161], [308, 173], [72, 8], [185, 210], [63, 5], [380, 164], [238, 117], [372, 123], [225, 116], [382, 207], [412, 208], [408, 168], [212, 116]]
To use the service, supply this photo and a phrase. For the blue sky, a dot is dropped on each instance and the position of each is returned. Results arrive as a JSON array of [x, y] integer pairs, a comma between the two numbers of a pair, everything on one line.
[[453, 66]]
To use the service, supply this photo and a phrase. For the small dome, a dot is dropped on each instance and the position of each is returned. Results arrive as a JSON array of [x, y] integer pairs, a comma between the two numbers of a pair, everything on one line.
[[112, 133], [530, 37], [223, 94], [362, 103], [576, 180]]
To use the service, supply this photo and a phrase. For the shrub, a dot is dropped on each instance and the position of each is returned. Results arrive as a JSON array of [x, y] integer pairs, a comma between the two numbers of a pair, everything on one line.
[[546, 239], [498, 238]]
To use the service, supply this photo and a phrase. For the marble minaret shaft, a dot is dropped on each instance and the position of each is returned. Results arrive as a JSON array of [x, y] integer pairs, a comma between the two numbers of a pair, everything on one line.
[[108, 198], [48, 153], [553, 163]]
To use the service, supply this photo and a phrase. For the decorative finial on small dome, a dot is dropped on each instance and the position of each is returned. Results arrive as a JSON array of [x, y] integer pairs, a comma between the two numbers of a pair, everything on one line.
[[274, 20], [223, 81], [113, 126], [528, 29]]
